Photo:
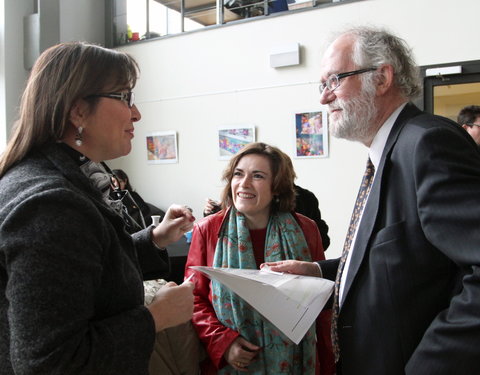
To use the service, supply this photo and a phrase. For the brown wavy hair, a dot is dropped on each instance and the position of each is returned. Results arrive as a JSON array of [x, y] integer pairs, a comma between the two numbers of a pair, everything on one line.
[[282, 172], [62, 75]]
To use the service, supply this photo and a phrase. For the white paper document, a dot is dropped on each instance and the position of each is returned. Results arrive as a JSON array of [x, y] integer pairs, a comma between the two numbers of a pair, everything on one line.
[[290, 302]]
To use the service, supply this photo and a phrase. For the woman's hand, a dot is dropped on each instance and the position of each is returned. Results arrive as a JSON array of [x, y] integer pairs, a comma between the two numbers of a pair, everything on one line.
[[240, 354], [178, 220], [296, 267], [172, 305]]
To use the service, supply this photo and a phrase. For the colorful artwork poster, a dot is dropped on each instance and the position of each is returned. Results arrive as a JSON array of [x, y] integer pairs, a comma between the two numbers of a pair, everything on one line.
[[232, 139], [311, 135], [162, 147]]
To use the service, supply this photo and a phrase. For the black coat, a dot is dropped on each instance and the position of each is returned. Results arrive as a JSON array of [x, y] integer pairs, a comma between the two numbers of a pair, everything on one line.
[[72, 298], [307, 204]]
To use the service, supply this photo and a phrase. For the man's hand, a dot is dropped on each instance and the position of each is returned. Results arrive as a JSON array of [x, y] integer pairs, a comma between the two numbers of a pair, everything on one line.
[[211, 207], [296, 267]]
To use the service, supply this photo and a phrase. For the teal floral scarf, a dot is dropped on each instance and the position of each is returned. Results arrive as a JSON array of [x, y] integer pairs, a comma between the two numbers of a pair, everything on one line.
[[284, 240]]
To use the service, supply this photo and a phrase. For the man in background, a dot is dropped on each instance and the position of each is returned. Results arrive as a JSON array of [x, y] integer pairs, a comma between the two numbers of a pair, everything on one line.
[[469, 119]]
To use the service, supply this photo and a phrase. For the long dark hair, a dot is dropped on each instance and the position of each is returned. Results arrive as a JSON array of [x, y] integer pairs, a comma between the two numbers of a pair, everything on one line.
[[120, 174]]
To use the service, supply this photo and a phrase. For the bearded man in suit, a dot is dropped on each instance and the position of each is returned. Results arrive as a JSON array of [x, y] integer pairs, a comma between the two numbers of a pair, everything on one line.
[[409, 289]]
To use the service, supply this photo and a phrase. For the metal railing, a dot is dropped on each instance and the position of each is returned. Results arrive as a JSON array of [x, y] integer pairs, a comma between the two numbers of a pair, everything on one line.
[[202, 13]]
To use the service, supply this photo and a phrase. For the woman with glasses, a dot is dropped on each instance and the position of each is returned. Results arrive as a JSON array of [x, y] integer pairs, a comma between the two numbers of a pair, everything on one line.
[[256, 224], [72, 299]]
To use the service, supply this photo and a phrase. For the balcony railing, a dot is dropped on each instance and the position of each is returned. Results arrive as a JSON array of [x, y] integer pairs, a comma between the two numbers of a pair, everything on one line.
[[136, 20]]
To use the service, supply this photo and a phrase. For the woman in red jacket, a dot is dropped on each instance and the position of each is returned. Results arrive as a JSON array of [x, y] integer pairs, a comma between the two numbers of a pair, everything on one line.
[[256, 224]]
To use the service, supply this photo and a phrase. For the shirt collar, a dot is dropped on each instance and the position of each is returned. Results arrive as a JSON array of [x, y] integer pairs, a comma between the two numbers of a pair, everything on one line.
[[380, 139]]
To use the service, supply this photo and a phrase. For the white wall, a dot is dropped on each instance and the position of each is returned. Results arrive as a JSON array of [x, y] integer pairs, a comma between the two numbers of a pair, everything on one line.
[[82, 20], [12, 73], [3, 115], [195, 82], [79, 20]]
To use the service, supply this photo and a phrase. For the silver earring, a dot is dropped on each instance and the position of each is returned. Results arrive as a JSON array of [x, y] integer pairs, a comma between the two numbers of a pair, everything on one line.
[[78, 136]]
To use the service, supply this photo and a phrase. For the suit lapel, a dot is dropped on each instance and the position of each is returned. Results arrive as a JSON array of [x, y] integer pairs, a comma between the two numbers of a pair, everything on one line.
[[370, 212]]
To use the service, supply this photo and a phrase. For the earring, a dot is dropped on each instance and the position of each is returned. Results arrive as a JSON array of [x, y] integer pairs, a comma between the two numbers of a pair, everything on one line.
[[276, 199], [78, 136]]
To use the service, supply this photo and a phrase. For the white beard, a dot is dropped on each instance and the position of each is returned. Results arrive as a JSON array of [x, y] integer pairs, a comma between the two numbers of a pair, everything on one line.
[[355, 121]]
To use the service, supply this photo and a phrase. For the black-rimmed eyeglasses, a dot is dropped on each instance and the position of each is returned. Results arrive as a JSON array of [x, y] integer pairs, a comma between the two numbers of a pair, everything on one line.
[[127, 97], [333, 80], [471, 124]]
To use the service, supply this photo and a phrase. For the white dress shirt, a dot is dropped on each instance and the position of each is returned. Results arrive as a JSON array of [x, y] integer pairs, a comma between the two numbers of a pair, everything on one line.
[[375, 153]]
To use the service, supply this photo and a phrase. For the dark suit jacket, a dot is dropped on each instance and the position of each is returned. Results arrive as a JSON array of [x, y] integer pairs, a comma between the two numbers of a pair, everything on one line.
[[411, 302]]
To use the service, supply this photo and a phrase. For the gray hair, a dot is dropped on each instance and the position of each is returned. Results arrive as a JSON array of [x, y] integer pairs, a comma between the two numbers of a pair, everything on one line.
[[374, 47]]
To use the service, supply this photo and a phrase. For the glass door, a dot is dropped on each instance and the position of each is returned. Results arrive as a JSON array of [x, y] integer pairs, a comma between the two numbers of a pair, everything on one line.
[[450, 87]]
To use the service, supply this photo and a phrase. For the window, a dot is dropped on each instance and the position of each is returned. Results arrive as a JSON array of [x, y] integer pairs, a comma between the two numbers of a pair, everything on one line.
[[134, 20]]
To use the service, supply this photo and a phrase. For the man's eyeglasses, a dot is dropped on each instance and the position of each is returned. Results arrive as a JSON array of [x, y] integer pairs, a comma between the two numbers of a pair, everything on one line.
[[333, 80], [471, 124], [127, 97]]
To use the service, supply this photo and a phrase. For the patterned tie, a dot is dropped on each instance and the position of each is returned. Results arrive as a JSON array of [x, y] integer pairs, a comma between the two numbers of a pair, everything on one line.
[[357, 213]]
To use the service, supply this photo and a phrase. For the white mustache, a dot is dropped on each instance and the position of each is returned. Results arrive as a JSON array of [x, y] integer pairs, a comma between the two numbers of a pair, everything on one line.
[[334, 106]]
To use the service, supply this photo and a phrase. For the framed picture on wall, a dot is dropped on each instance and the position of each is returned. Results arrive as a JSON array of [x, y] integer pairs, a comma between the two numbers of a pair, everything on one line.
[[311, 134], [162, 147], [231, 139]]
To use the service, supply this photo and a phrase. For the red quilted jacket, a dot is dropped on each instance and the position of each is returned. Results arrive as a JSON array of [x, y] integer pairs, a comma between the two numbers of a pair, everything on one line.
[[214, 335]]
